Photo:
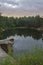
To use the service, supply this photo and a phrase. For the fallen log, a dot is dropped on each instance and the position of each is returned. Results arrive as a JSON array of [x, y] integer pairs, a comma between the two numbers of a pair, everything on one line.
[[9, 40]]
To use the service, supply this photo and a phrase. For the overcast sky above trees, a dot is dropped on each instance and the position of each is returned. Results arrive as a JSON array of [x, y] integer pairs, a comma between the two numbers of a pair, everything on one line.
[[21, 7]]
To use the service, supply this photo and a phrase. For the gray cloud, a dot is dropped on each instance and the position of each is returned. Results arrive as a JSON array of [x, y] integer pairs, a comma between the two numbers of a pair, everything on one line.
[[18, 6]]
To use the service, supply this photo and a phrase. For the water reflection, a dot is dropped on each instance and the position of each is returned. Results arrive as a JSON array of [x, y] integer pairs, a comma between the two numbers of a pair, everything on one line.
[[24, 40], [42, 37], [24, 45], [26, 32]]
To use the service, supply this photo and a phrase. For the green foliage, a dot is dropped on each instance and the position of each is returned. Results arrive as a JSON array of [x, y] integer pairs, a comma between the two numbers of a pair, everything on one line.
[[11, 22], [34, 58]]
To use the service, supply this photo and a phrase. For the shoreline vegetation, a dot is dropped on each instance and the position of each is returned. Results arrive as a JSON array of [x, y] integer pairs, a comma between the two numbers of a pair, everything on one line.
[[32, 22], [23, 28], [38, 29]]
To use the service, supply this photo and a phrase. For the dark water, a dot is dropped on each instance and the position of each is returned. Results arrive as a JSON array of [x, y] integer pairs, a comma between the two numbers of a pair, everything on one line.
[[24, 40]]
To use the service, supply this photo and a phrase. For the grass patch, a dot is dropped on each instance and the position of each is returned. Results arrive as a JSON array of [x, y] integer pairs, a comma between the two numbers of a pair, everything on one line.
[[34, 58]]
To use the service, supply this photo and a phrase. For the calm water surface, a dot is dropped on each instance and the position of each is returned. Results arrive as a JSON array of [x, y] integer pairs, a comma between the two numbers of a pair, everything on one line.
[[26, 44], [24, 40]]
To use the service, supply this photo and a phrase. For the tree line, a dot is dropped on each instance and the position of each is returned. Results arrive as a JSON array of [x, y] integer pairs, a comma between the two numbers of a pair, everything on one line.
[[11, 22]]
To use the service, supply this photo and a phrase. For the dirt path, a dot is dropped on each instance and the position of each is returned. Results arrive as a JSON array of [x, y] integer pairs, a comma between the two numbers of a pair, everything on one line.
[[4, 55]]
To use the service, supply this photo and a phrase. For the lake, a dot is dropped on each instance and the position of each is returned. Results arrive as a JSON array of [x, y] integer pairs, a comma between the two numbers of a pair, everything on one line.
[[25, 40]]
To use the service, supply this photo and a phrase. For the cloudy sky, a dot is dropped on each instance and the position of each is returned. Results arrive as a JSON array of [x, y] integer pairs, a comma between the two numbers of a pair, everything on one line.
[[21, 7]]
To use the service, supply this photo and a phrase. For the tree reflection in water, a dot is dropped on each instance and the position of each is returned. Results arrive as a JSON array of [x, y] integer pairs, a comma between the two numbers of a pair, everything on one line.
[[25, 32]]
